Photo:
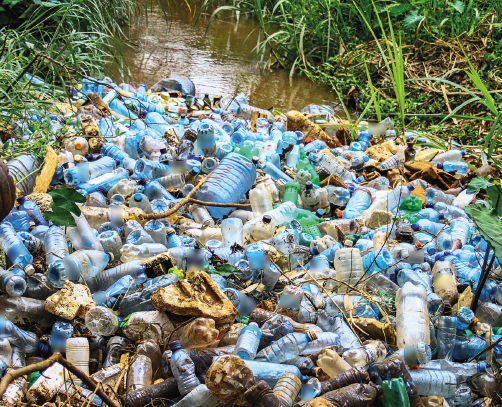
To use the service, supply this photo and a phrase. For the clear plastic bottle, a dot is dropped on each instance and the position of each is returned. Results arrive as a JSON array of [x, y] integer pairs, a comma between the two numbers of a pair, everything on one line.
[[106, 278], [86, 264], [370, 352], [23, 168], [231, 231], [77, 145], [412, 315], [434, 383], [82, 236], [201, 215], [349, 269], [248, 342], [111, 242], [140, 373], [47, 385], [19, 220], [157, 230], [281, 215], [447, 331], [131, 252], [198, 397], [332, 364], [286, 348], [287, 389], [261, 199], [199, 333], [183, 368], [451, 155], [101, 321]]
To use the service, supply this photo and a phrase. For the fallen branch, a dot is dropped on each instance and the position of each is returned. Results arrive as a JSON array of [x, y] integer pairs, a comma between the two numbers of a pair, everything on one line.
[[187, 200], [56, 358]]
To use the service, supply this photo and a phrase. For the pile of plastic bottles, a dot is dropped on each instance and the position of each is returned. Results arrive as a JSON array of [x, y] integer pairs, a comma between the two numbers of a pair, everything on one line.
[[225, 257]]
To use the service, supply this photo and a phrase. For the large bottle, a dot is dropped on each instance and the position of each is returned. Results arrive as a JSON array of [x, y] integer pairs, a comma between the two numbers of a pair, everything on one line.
[[434, 383], [281, 215], [13, 282], [82, 236], [23, 168], [412, 315], [33, 211], [86, 264], [105, 181], [73, 176], [104, 279], [260, 199], [228, 183], [26, 341], [358, 202], [183, 369], [77, 353]]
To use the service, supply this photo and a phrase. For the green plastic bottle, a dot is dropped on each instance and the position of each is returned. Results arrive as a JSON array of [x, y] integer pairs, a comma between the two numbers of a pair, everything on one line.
[[394, 393], [309, 226], [249, 150], [291, 191], [305, 213], [305, 164]]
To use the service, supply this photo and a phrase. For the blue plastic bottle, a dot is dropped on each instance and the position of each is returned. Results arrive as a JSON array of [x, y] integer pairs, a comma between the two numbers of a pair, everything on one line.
[[56, 248], [19, 220], [140, 93], [15, 249], [173, 239], [33, 211], [123, 285], [183, 368], [429, 214], [228, 183], [459, 166], [360, 201], [28, 342], [61, 331], [268, 167], [377, 259], [13, 282], [145, 168], [105, 181], [248, 342], [99, 167], [111, 150]]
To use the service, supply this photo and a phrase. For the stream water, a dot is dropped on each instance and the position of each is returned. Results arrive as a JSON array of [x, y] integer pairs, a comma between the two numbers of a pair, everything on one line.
[[215, 62]]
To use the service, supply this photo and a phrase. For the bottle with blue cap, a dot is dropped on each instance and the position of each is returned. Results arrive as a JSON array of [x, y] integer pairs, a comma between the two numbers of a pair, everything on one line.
[[55, 125], [248, 342], [183, 368], [448, 211], [358, 202], [140, 93], [448, 166], [451, 155], [15, 249], [396, 196]]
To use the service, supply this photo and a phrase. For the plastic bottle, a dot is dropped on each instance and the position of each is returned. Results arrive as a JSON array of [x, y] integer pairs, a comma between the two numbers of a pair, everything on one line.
[[13, 282], [451, 155], [183, 368], [247, 344], [261, 200], [140, 373], [287, 348], [434, 383], [19, 220], [105, 181], [77, 353], [131, 252], [101, 321], [310, 197], [370, 352], [460, 167], [331, 363], [28, 342], [412, 316], [111, 242], [349, 269], [32, 210], [47, 385], [15, 249], [394, 393], [23, 168], [287, 389]]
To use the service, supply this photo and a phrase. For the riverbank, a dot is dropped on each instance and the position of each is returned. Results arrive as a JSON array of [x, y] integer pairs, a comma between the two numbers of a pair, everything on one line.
[[333, 43]]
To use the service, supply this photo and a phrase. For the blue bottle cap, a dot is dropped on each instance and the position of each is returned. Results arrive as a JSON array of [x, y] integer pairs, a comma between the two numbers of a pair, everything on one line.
[[431, 250], [360, 179], [174, 345], [441, 216], [142, 84], [319, 213], [137, 197], [415, 227], [463, 152], [21, 199], [482, 367], [429, 205], [54, 117], [440, 166], [411, 187]]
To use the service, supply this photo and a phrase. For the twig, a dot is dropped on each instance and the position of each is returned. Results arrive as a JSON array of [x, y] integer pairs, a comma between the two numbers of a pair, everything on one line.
[[56, 358], [222, 205]]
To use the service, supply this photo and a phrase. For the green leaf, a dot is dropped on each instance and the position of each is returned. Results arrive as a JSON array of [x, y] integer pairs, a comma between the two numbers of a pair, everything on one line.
[[66, 197], [60, 216], [412, 19], [494, 193], [227, 269], [478, 183], [488, 224]]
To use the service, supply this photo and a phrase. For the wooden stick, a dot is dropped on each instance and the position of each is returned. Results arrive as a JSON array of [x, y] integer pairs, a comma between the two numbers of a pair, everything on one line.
[[56, 358]]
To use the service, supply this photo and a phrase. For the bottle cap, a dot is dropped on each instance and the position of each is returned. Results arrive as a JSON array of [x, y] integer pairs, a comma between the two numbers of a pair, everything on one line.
[[54, 117], [339, 214], [174, 345], [137, 197], [29, 270], [255, 160], [441, 216], [431, 250], [366, 158], [111, 256], [319, 213], [163, 150], [78, 146], [315, 251], [411, 187], [21, 199], [312, 335], [482, 367], [440, 166], [308, 140], [142, 84], [170, 231], [418, 245], [267, 219], [463, 152], [429, 205], [309, 185], [415, 227]]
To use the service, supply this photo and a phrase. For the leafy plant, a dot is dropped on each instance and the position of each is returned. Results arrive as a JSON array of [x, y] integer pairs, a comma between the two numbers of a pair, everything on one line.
[[63, 205], [226, 270]]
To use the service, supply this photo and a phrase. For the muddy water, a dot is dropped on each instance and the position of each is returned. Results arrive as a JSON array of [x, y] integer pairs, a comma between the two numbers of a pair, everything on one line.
[[216, 62]]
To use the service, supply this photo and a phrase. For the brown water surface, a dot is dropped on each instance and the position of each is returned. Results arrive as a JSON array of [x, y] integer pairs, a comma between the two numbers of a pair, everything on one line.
[[215, 62]]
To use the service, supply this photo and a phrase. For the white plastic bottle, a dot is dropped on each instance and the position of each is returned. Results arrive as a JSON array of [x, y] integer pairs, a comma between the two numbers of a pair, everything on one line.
[[412, 315], [77, 353]]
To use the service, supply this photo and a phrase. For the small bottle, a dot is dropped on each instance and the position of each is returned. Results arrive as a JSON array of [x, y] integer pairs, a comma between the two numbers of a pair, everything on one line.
[[434, 383], [86, 264], [261, 200], [82, 236], [199, 333], [248, 342], [183, 368], [101, 321], [370, 352], [412, 315], [331, 363], [140, 201], [310, 197], [13, 282], [111, 242], [28, 342], [15, 249], [131, 252], [288, 347], [77, 353], [33, 211], [47, 385]]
